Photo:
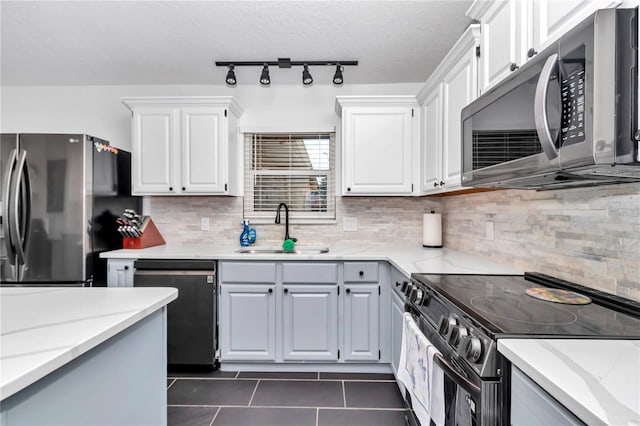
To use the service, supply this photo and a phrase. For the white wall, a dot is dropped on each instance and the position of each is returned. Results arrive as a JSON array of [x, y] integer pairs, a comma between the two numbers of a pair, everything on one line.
[[97, 110]]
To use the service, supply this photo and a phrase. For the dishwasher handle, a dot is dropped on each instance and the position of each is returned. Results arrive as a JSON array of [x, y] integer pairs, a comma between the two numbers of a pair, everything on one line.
[[162, 273], [175, 265]]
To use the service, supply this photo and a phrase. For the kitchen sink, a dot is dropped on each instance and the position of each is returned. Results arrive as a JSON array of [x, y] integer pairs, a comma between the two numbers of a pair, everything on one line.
[[275, 250]]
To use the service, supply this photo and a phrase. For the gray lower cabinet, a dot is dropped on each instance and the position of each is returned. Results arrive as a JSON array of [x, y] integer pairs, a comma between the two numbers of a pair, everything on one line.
[[120, 272], [361, 325], [247, 322], [309, 322], [303, 312], [397, 312], [531, 405]]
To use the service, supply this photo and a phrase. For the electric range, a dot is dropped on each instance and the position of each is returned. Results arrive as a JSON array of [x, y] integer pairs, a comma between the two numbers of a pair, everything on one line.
[[463, 316]]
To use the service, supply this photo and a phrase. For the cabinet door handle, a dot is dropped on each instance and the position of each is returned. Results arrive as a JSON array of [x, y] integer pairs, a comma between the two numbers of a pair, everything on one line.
[[126, 268], [441, 183], [398, 283], [513, 66], [348, 189], [348, 291], [435, 184], [361, 273], [286, 290], [171, 188], [531, 53], [184, 189], [270, 290]]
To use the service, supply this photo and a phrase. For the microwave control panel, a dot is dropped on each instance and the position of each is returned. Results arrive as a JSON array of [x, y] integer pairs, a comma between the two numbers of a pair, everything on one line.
[[573, 104]]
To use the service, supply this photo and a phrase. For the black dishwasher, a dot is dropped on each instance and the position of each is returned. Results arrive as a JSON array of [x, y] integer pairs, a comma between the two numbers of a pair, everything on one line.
[[192, 317]]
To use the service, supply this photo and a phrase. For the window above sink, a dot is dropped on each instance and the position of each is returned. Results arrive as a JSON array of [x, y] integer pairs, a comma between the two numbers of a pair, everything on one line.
[[295, 168]]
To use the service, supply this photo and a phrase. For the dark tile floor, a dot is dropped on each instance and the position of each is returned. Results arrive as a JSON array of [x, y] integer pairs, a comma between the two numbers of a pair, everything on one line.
[[220, 398]]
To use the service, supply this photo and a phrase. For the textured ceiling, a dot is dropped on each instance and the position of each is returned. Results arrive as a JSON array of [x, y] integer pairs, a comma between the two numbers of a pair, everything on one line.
[[176, 42]]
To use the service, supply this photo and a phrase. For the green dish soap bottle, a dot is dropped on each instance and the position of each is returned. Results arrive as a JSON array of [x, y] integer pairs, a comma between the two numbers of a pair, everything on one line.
[[244, 235]]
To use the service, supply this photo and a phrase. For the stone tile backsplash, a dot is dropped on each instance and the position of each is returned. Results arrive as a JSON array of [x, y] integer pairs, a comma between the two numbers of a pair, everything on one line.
[[590, 235], [380, 220]]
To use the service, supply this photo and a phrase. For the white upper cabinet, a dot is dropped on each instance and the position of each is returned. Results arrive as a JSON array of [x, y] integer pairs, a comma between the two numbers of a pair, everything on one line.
[[512, 31], [182, 146], [432, 137], [549, 19], [503, 31], [204, 151], [154, 150], [459, 89], [452, 86], [378, 134]]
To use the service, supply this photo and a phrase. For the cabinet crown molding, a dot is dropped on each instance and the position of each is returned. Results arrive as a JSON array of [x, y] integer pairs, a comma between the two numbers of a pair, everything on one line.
[[374, 100], [178, 101], [478, 7]]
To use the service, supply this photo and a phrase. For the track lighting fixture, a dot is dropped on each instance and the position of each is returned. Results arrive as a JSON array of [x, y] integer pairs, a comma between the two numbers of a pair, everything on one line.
[[281, 63], [231, 76], [306, 76], [265, 80], [337, 77]]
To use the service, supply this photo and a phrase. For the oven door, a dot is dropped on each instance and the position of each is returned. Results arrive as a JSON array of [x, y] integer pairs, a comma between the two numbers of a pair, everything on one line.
[[462, 394]]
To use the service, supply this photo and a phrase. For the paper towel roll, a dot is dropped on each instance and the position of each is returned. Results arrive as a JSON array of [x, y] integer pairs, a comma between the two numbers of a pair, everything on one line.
[[432, 230]]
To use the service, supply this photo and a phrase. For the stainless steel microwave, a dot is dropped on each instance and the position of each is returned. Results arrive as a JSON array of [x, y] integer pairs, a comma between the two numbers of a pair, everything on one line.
[[568, 117]]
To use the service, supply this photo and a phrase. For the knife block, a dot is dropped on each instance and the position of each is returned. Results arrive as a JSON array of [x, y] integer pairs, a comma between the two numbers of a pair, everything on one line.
[[150, 237]]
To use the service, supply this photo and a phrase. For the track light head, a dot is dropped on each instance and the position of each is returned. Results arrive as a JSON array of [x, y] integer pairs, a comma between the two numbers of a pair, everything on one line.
[[307, 80], [231, 77], [337, 77], [265, 80]]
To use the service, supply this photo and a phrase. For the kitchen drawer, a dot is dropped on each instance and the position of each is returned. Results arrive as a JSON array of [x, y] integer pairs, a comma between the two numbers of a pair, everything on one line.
[[248, 272], [315, 273], [356, 272]]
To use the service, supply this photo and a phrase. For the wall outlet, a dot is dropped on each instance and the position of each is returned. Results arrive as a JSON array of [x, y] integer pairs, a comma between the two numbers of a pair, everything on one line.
[[204, 223], [349, 223], [490, 235]]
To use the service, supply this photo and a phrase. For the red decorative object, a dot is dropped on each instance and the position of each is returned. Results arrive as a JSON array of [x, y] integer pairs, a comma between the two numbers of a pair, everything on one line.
[[150, 237]]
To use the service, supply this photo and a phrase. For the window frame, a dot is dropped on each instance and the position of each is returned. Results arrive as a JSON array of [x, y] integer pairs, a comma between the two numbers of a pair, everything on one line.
[[295, 217]]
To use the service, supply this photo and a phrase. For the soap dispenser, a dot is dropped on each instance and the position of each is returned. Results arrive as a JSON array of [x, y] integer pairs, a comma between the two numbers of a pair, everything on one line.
[[244, 235]]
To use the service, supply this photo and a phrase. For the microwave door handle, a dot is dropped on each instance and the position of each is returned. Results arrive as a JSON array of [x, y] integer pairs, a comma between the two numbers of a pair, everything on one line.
[[455, 375], [6, 208], [540, 108]]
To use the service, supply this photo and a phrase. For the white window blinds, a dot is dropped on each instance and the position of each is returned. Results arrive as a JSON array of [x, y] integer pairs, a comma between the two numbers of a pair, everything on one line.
[[292, 168]]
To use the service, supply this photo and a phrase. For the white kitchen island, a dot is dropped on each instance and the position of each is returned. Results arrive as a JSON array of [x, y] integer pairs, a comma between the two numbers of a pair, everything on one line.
[[83, 356]]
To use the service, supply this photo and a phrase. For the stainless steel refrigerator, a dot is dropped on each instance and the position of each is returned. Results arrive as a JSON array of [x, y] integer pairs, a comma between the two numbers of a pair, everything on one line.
[[60, 196]]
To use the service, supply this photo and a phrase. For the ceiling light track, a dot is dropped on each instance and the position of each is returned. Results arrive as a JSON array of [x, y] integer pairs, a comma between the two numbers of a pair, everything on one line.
[[285, 63]]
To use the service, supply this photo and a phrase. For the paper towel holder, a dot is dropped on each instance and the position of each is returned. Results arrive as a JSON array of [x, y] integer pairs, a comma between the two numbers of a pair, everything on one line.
[[432, 230]]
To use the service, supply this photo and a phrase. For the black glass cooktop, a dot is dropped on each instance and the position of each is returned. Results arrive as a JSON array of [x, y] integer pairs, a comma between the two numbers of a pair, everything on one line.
[[500, 305]]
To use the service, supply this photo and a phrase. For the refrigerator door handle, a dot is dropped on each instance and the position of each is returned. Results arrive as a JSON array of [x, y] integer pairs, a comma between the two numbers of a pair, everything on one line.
[[6, 209], [27, 197], [17, 234]]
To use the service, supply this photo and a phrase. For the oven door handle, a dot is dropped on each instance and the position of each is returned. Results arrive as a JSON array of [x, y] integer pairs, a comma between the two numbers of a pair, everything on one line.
[[455, 375]]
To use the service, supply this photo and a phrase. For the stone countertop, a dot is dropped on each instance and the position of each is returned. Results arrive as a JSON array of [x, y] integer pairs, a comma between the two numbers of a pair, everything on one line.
[[597, 380], [44, 328], [408, 259]]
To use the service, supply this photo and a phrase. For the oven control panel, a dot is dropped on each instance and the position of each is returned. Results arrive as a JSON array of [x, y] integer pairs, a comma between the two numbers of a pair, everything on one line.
[[457, 331]]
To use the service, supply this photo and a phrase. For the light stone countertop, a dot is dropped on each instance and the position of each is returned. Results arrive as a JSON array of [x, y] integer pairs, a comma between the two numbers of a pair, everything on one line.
[[408, 259], [597, 380], [44, 328]]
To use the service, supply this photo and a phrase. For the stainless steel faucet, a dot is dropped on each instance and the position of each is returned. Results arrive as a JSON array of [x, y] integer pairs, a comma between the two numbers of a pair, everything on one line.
[[286, 221]]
